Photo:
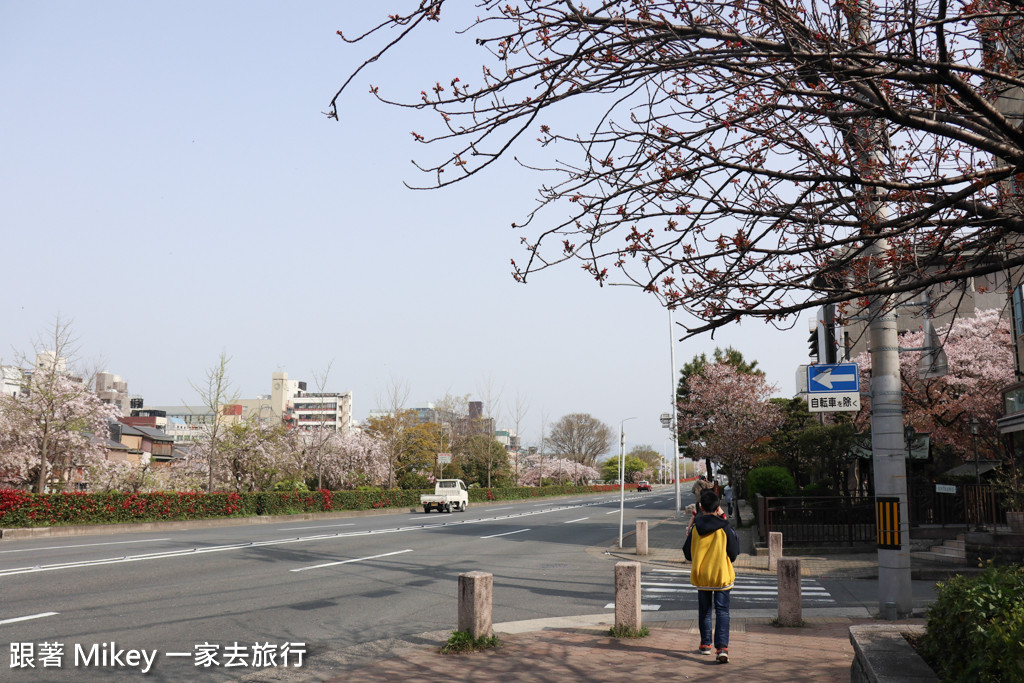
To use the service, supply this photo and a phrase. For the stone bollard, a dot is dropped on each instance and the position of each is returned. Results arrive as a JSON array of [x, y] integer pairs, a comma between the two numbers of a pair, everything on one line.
[[789, 592], [476, 590], [627, 595], [774, 549], [641, 537]]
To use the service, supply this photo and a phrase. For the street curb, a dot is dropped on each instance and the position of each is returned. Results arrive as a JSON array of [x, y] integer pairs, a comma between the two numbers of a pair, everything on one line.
[[142, 527]]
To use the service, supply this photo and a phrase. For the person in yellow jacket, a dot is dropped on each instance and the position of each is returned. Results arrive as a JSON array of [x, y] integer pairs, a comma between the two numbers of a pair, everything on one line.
[[712, 545]]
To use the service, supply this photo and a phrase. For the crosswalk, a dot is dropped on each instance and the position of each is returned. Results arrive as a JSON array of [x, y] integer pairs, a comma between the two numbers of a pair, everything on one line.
[[671, 590]]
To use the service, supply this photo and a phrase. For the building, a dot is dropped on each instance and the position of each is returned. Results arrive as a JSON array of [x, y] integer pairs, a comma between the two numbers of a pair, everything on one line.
[[112, 389], [834, 343], [288, 403], [12, 380], [145, 444]]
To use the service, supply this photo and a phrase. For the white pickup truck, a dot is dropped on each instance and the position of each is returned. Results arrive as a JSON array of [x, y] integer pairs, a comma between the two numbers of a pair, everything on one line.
[[449, 494]]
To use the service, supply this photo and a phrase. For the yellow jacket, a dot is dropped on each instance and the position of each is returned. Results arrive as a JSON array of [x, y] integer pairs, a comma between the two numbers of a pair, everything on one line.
[[712, 546]]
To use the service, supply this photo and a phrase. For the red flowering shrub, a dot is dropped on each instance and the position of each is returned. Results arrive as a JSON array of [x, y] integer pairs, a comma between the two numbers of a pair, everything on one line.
[[20, 509]]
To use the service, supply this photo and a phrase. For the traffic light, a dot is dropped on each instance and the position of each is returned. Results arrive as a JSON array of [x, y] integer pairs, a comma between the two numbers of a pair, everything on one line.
[[821, 344], [812, 345]]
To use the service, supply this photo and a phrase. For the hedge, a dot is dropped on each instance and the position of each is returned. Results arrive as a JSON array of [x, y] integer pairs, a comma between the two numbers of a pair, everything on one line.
[[20, 509], [975, 628]]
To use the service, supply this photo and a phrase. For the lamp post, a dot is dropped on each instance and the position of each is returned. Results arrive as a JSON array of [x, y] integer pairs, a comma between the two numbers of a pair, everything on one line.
[[979, 509], [674, 425], [974, 438], [622, 475]]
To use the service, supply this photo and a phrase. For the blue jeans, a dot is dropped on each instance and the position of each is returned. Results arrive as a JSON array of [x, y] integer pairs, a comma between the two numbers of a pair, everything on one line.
[[721, 603]]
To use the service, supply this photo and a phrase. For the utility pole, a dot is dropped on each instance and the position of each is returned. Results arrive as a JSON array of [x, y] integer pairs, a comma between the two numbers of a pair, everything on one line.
[[675, 413], [868, 139]]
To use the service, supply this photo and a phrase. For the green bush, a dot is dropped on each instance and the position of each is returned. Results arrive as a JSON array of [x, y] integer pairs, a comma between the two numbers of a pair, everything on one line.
[[291, 485], [975, 628], [770, 481], [816, 489]]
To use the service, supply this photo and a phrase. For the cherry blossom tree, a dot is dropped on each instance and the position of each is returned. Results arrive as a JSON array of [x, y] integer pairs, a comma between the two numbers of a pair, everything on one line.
[[980, 359], [734, 414], [188, 473], [253, 455], [57, 426], [560, 470], [355, 459], [120, 475], [731, 157]]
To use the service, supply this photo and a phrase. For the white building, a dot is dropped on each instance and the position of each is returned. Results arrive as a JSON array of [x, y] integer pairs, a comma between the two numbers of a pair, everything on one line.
[[12, 379], [289, 402]]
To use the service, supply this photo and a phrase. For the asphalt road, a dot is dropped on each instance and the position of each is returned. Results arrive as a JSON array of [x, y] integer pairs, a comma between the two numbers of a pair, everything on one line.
[[295, 589], [249, 595]]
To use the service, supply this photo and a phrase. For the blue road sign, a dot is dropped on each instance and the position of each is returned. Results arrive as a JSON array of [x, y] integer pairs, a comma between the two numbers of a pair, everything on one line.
[[833, 378]]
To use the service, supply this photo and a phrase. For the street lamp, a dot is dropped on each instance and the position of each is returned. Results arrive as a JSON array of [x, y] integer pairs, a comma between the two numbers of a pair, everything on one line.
[[622, 475], [974, 438], [674, 424], [979, 510]]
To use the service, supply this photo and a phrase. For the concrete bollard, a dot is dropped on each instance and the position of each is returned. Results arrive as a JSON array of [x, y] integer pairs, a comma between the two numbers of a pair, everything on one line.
[[627, 595], [789, 592], [476, 597], [774, 549], [641, 537]]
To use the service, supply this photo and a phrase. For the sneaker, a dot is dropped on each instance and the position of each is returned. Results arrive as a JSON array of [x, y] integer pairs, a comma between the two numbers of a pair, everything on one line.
[[704, 649], [722, 656]]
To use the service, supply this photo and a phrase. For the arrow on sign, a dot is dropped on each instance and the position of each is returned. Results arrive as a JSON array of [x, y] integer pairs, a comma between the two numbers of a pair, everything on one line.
[[842, 374]]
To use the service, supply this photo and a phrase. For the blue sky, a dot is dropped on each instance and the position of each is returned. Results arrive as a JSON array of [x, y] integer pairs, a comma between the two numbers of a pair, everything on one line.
[[169, 183]]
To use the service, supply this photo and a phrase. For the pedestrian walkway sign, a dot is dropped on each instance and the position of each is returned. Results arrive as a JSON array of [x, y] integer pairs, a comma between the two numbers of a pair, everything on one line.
[[833, 387]]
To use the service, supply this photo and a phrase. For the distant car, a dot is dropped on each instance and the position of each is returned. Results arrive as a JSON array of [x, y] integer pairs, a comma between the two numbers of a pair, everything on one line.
[[643, 486]]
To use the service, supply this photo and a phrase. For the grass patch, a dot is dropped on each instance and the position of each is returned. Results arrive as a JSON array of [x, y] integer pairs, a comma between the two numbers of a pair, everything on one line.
[[775, 622], [463, 641], [627, 632]]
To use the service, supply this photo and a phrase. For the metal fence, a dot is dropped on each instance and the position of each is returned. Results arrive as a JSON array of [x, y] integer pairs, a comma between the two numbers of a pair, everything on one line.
[[830, 520], [826, 520]]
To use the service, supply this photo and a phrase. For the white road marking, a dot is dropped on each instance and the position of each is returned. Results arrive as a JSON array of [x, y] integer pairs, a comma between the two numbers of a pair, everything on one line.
[[30, 616], [507, 533], [358, 559], [643, 608], [576, 520], [82, 545], [493, 509], [322, 526], [256, 544], [612, 512]]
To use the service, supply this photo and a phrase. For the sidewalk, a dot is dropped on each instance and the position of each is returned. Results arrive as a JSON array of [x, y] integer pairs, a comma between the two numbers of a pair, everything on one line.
[[820, 651], [580, 649]]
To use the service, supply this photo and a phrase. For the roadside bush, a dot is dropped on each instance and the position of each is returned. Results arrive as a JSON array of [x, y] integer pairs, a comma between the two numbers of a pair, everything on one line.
[[20, 509], [975, 629], [770, 481]]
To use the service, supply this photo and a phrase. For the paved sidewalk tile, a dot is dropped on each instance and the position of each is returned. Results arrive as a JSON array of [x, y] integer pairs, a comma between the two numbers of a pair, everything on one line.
[[759, 651]]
